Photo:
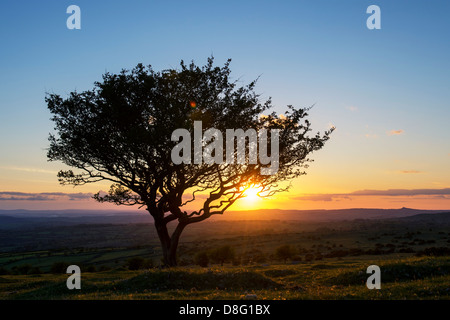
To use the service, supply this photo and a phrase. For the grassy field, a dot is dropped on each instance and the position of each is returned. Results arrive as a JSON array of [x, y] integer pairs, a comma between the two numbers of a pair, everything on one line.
[[254, 241], [328, 261], [405, 278]]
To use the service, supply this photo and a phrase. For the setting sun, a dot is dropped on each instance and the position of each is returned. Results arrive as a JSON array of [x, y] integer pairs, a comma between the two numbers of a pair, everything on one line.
[[251, 194]]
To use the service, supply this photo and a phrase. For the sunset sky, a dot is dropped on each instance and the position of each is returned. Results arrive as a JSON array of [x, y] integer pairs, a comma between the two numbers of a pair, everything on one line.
[[386, 91]]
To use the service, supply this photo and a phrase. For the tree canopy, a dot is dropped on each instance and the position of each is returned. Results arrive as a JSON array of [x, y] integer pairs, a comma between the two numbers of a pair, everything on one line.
[[121, 131]]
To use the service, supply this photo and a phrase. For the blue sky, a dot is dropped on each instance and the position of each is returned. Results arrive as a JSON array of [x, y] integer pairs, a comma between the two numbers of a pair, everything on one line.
[[368, 83]]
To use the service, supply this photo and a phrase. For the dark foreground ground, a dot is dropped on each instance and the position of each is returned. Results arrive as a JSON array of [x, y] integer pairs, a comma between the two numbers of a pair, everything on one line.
[[327, 260]]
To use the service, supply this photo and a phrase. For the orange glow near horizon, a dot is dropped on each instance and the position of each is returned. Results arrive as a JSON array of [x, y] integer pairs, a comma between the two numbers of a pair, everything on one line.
[[283, 201], [310, 192], [251, 196]]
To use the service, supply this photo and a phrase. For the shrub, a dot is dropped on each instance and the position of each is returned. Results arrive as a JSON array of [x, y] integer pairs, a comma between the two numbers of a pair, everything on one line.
[[24, 269], [202, 259], [137, 263], [374, 252], [3, 271], [434, 251], [337, 254], [148, 264], [309, 257], [91, 268], [185, 262], [260, 258], [222, 254], [285, 252], [236, 262], [59, 267], [35, 270], [355, 252], [104, 268]]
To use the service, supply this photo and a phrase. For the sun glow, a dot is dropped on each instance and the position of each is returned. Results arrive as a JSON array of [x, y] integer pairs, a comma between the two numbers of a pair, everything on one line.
[[251, 194]]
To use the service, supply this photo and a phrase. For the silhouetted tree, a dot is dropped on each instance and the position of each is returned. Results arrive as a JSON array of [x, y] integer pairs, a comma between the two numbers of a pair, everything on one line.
[[121, 132]]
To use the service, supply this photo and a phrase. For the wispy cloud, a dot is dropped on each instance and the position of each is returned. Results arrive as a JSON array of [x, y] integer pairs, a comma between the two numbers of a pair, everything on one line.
[[396, 132], [410, 171], [43, 196], [401, 192], [323, 197], [62, 196], [352, 108], [24, 169], [431, 193]]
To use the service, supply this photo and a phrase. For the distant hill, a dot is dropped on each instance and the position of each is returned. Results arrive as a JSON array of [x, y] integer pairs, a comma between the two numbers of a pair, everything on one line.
[[440, 218], [34, 218], [22, 213], [326, 215], [55, 219]]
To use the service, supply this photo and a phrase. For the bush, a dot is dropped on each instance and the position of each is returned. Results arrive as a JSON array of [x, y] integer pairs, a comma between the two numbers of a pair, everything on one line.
[[59, 267], [337, 254], [25, 269], [222, 254], [236, 262], [185, 262], [202, 259], [91, 268], [104, 268], [355, 252], [285, 252], [181, 279], [3, 271], [138, 263], [260, 258], [309, 257], [374, 252], [35, 270], [434, 251]]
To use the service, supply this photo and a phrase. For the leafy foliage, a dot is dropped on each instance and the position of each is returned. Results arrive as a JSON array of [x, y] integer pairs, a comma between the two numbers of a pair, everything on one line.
[[202, 259], [120, 131], [222, 254]]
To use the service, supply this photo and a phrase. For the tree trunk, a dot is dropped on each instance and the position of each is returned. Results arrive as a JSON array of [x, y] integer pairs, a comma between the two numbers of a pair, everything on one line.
[[169, 243]]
